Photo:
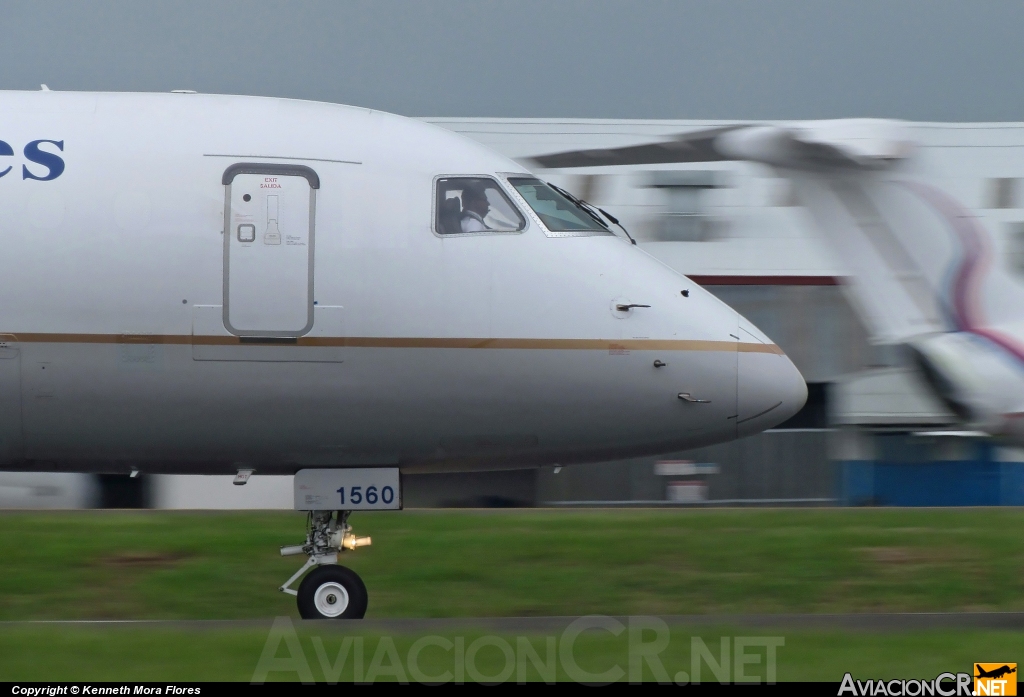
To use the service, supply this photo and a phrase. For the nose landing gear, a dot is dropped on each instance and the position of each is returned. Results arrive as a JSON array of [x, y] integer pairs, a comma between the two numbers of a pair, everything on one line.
[[330, 591]]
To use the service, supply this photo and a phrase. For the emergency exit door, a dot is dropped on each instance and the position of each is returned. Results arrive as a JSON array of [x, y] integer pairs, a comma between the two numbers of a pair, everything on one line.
[[270, 214]]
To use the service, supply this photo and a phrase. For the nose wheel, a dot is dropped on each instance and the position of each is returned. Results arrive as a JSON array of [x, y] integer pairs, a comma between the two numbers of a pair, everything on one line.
[[329, 591], [332, 592]]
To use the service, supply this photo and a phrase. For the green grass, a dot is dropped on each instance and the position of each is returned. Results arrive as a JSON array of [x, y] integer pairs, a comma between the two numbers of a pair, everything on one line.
[[125, 654], [170, 565]]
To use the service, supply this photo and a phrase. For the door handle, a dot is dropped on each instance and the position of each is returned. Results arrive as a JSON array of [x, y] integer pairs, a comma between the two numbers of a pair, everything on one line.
[[625, 308], [687, 397]]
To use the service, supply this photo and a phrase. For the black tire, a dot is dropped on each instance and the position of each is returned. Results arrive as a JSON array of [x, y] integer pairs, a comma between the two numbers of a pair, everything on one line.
[[320, 597]]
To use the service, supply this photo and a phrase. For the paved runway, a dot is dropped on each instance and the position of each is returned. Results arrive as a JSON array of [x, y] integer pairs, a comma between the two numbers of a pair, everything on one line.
[[871, 622]]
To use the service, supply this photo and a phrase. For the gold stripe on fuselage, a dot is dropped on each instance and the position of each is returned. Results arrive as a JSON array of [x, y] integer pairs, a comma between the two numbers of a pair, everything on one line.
[[408, 342]]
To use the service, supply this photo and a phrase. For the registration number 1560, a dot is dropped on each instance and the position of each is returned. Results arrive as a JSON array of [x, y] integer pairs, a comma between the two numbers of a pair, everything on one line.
[[348, 489], [369, 495]]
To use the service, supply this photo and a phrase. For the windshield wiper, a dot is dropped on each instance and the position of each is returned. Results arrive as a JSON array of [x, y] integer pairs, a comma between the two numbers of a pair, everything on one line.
[[615, 221], [591, 211], [581, 204]]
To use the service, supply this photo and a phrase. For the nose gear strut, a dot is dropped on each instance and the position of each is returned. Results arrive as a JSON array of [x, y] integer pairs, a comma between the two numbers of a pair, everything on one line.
[[327, 535]]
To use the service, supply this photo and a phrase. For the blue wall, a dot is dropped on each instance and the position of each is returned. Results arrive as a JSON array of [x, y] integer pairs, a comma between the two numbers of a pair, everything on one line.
[[907, 475]]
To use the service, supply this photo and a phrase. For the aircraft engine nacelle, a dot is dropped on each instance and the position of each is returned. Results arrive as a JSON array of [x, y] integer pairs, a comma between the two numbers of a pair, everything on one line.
[[972, 376]]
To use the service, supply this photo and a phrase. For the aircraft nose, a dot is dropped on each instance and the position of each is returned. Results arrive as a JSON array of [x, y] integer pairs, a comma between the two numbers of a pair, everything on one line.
[[769, 389]]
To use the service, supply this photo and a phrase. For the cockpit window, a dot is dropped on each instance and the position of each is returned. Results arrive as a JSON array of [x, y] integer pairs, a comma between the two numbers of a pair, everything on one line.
[[558, 213], [474, 204]]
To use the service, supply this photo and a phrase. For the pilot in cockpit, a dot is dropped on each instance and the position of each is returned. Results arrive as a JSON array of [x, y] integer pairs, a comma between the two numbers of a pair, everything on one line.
[[475, 207]]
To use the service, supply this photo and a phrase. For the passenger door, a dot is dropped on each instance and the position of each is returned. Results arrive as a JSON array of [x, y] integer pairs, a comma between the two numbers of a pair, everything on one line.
[[270, 215]]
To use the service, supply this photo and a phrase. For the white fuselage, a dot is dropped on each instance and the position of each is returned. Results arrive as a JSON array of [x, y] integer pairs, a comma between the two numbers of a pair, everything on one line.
[[427, 352]]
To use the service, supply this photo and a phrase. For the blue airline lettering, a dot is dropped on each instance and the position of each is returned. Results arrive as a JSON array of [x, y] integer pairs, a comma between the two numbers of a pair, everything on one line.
[[6, 151], [52, 162]]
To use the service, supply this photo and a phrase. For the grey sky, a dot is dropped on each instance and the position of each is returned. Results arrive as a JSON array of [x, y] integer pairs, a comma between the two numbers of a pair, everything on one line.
[[942, 60]]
